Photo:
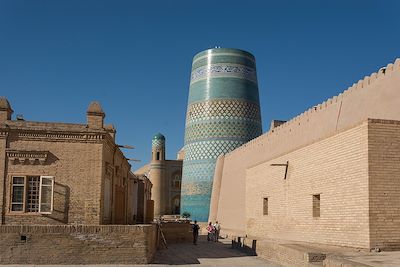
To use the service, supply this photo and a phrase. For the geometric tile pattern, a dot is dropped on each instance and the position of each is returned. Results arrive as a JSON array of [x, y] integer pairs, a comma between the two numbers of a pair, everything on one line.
[[233, 129], [222, 109], [196, 191], [210, 149], [223, 70], [198, 170], [222, 120], [158, 143]]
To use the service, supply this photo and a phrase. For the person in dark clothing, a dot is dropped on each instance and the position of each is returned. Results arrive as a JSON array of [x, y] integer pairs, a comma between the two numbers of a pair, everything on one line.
[[195, 230]]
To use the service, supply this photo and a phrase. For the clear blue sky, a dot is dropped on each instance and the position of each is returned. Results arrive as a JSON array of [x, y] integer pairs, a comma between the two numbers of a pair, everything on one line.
[[134, 57]]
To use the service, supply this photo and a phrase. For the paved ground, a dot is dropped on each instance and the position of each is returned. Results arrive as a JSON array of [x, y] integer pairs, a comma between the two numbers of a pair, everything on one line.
[[204, 254], [386, 258], [207, 254]]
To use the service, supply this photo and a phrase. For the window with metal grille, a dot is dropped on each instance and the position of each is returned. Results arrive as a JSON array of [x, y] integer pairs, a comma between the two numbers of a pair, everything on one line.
[[32, 194], [32, 200]]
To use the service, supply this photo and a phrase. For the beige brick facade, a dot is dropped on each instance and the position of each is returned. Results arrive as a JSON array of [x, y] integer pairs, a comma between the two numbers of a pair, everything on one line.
[[384, 183], [335, 168], [356, 174], [320, 144], [85, 244], [92, 181]]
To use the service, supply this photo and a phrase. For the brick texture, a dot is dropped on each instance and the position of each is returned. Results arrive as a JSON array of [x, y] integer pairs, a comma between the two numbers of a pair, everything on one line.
[[66, 244], [81, 160], [337, 169], [376, 96], [357, 175], [384, 184]]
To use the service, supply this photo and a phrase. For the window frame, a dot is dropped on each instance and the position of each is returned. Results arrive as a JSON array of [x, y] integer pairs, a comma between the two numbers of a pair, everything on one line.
[[25, 194], [51, 190]]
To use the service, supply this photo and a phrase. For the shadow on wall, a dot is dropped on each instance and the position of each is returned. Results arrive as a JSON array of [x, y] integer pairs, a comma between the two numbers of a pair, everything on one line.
[[61, 203], [51, 158], [248, 246]]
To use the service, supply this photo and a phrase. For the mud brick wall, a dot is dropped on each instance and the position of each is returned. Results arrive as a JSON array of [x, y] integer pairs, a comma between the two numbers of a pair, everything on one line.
[[177, 232], [83, 244]]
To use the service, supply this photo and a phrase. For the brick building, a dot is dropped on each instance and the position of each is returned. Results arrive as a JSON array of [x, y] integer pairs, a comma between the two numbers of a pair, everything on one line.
[[329, 176], [64, 173]]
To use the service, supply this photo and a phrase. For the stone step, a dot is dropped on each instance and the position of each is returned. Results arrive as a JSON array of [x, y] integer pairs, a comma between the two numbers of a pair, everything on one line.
[[291, 254], [286, 254]]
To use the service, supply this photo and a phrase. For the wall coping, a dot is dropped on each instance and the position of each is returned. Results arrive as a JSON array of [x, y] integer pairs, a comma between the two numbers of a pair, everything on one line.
[[69, 229]]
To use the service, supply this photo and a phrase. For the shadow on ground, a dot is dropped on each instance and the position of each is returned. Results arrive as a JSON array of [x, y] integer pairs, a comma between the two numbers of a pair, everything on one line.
[[204, 252]]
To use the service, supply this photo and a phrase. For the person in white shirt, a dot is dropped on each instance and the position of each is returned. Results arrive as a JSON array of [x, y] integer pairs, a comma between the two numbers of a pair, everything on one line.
[[217, 228]]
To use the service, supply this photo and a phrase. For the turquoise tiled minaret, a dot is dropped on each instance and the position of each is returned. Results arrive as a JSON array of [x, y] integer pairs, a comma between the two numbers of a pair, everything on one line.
[[223, 113]]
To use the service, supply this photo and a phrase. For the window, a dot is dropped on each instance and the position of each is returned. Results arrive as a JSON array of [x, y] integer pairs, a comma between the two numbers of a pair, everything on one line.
[[46, 194], [158, 156], [176, 182], [265, 206], [316, 205], [17, 200], [32, 194]]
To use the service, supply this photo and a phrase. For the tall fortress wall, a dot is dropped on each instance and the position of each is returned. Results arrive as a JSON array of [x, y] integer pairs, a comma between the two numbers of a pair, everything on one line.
[[376, 96]]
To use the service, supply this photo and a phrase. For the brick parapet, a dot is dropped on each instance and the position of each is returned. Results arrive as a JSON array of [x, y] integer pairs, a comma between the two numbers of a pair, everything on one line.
[[68, 229], [77, 244]]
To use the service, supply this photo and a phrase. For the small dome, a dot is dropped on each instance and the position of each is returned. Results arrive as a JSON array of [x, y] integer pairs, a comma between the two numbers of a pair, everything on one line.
[[95, 107], [158, 137], [4, 104]]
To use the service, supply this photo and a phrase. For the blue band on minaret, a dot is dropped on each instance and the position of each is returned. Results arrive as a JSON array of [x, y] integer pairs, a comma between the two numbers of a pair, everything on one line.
[[223, 113]]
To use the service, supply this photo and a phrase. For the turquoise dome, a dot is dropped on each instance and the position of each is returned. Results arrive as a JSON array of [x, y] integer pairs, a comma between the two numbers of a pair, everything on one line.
[[159, 136]]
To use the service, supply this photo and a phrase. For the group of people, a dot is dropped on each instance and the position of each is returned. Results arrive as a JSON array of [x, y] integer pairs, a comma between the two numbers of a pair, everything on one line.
[[213, 231]]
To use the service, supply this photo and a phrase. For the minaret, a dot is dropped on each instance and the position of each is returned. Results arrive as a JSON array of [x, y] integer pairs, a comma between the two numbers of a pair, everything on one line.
[[157, 175], [223, 113]]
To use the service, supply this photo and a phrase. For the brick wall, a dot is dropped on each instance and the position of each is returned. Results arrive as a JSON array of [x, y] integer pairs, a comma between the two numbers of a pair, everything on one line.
[[2, 174], [384, 184], [77, 170], [177, 232], [335, 168], [81, 244], [376, 96]]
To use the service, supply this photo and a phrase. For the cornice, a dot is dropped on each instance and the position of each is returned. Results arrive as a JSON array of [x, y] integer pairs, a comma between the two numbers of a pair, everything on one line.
[[84, 137], [31, 157]]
